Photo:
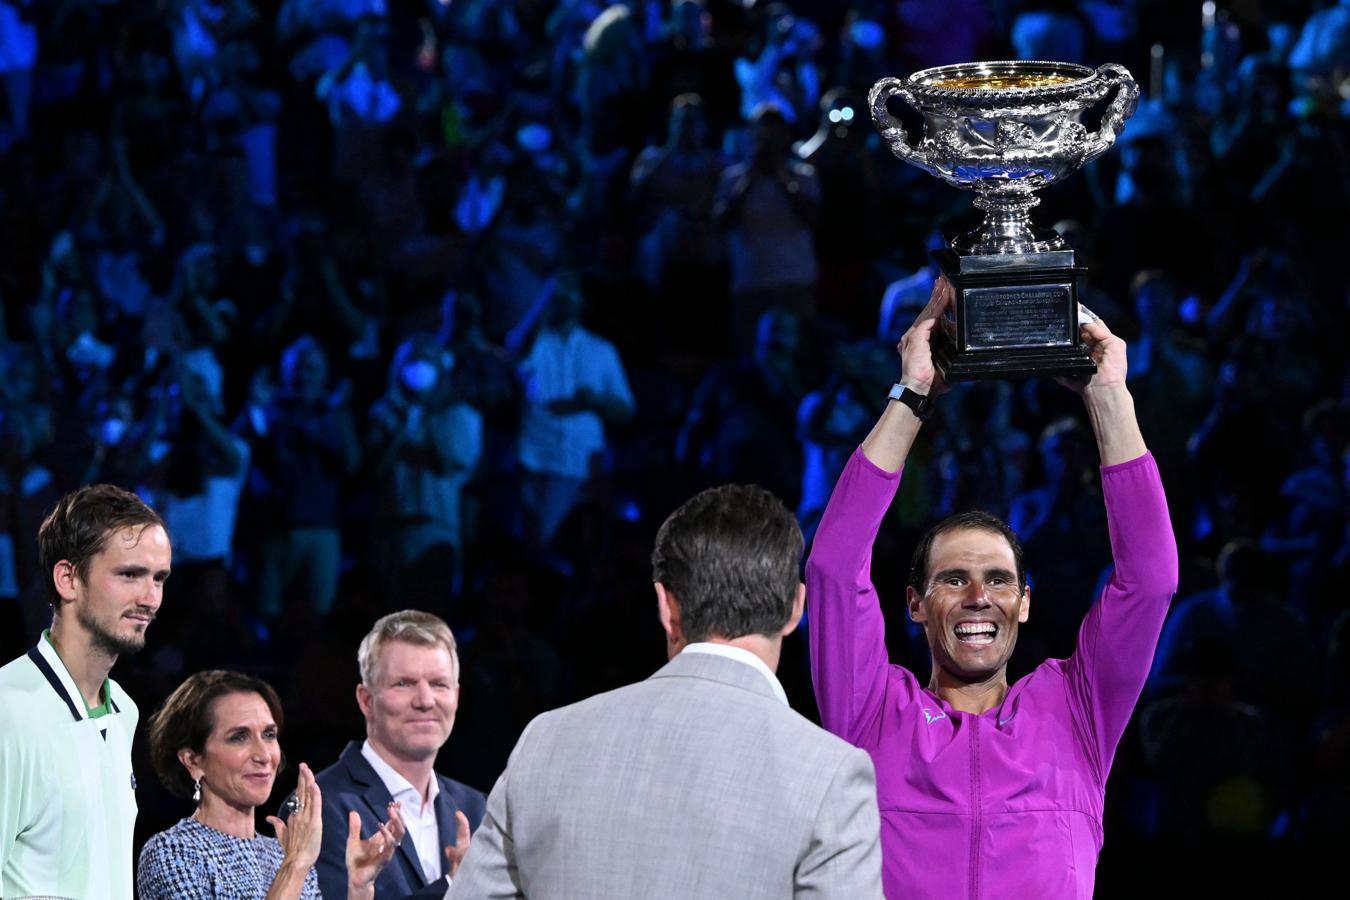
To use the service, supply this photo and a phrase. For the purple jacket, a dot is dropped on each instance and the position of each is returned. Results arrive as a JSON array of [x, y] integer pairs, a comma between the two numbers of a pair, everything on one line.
[[1007, 804]]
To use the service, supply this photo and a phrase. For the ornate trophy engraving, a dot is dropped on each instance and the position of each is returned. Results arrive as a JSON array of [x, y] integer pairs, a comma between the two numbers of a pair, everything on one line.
[[1005, 130]]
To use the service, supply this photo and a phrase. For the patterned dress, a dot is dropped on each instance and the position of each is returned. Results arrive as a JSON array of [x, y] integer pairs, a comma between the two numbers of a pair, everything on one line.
[[192, 861]]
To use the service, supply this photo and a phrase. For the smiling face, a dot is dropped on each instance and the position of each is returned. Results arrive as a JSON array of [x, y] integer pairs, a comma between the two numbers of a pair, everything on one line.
[[971, 604], [411, 706], [242, 754], [117, 600]]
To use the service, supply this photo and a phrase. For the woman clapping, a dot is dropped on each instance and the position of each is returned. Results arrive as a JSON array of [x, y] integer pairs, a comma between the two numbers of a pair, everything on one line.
[[216, 740]]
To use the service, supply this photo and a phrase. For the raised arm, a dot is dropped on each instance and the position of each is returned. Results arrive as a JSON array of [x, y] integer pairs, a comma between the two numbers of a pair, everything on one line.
[[849, 665], [1119, 635], [1109, 405], [887, 446]]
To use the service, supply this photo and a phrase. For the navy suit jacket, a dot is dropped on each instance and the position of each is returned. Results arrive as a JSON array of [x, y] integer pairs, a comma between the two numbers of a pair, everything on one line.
[[351, 783]]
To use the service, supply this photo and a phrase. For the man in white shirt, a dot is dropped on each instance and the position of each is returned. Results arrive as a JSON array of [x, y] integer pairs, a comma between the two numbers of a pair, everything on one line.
[[67, 791], [574, 385], [700, 783], [409, 693]]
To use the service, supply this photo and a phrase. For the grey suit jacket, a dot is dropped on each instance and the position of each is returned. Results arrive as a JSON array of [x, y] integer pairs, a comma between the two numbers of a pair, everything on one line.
[[696, 783]]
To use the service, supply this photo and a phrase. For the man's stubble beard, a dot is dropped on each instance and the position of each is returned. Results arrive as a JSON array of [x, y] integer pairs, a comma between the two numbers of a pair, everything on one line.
[[104, 640]]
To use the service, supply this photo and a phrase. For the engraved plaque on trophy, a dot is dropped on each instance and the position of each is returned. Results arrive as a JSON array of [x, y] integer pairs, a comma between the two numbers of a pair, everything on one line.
[[1005, 130]]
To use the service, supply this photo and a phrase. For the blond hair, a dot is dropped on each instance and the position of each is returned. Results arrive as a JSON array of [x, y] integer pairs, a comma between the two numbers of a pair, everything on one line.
[[411, 626]]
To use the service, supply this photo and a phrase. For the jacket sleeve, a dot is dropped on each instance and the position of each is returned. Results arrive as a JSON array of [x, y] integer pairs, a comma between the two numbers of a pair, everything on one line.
[[1120, 632], [331, 866], [490, 870], [849, 664], [843, 859]]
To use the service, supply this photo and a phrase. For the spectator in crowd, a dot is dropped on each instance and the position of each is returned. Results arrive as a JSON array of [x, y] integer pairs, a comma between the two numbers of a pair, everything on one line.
[[770, 206], [842, 153], [423, 446], [784, 74], [679, 256], [1264, 638], [1061, 525], [303, 443], [574, 386], [18, 59], [742, 419], [833, 420], [674, 185], [690, 60]]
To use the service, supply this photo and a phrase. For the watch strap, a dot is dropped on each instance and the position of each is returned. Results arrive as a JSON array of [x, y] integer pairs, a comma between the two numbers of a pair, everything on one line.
[[919, 404]]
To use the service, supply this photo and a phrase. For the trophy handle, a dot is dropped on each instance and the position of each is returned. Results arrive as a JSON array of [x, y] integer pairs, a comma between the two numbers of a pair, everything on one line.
[[1121, 108], [892, 132]]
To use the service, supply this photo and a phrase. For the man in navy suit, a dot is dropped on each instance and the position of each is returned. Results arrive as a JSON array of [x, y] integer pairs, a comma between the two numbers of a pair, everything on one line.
[[409, 692]]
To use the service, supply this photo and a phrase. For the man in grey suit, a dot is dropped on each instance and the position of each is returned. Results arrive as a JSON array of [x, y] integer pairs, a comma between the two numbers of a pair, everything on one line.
[[699, 782]]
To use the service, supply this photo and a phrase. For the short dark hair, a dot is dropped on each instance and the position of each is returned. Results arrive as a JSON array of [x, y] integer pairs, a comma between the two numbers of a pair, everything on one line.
[[977, 519], [731, 556], [78, 528], [184, 720]]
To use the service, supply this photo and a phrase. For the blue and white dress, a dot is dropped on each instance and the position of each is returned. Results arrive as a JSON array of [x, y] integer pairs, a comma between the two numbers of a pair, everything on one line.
[[192, 861]]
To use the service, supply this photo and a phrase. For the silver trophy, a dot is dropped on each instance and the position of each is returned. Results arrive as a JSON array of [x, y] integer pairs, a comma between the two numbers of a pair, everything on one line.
[[1005, 130]]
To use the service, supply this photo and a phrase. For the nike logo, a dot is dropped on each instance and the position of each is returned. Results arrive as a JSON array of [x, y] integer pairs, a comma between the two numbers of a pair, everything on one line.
[[932, 716], [1002, 722]]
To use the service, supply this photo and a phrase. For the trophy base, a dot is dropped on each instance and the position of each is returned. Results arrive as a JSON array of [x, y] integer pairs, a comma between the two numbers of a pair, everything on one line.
[[1016, 317]]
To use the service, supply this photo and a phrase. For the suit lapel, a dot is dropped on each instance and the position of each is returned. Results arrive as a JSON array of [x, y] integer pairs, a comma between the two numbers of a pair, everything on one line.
[[446, 826], [377, 799]]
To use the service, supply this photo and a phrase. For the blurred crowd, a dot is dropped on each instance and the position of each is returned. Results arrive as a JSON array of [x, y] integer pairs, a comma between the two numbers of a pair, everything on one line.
[[446, 303]]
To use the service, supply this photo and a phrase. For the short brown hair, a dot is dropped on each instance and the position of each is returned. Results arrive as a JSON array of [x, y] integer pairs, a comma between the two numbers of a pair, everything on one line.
[[78, 528], [731, 555], [185, 720], [976, 519]]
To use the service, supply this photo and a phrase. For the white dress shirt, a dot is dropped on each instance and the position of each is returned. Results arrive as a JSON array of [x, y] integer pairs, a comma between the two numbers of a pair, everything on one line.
[[741, 655], [556, 368], [418, 818]]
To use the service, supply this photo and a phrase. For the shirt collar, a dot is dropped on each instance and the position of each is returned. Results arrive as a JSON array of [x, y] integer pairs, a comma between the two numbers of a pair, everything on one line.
[[400, 788], [744, 656], [74, 699]]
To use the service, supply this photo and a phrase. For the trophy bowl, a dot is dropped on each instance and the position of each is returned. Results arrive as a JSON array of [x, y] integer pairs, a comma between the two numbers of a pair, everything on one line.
[[1005, 130]]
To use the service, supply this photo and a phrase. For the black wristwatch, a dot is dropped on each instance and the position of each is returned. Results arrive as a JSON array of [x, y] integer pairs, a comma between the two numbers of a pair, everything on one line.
[[918, 403]]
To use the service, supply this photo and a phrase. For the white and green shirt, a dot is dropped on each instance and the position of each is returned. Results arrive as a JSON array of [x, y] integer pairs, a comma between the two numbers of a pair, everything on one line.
[[67, 793]]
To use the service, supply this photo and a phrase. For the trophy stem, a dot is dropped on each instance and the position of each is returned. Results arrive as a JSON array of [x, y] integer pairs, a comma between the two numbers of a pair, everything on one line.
[[1007, 228]]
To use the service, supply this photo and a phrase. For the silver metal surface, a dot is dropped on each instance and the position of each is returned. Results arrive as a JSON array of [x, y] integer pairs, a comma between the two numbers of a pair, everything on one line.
[[1005, 143]]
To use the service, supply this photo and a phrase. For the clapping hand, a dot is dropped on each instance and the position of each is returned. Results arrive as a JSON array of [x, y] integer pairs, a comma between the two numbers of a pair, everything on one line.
[[367, 858], [454, 855], [302, 835]]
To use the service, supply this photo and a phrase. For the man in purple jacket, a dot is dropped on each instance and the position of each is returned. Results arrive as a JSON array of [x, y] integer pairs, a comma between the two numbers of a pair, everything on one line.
[[987, 790]]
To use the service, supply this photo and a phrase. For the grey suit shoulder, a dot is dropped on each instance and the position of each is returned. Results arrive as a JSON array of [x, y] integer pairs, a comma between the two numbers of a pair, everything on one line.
[[696, 783]]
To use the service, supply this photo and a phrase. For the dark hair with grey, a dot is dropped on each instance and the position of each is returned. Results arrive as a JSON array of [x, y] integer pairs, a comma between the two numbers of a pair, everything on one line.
[[977, 519], [78, 528], [731, 556], [185, 720]]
